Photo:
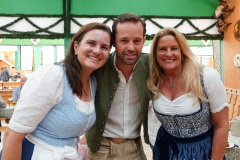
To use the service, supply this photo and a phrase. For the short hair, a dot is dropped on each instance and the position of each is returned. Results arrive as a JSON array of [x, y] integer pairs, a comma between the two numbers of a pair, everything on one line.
[[127, 17], [24, 77], [14, 76]]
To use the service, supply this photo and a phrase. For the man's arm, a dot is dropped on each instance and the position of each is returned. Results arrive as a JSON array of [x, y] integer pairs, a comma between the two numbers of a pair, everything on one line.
[[14, 95]]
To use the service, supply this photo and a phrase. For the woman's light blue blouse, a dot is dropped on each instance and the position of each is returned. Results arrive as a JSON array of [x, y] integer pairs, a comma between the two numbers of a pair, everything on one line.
[[43, 90]]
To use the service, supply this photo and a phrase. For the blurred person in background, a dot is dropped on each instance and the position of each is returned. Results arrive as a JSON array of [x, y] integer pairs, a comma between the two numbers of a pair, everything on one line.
[[17, 91], [14, 78], [18, 75], [3, 104], [5, 74]]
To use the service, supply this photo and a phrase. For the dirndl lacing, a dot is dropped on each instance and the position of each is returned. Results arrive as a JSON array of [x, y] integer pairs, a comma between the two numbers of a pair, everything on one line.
[[44, 151], [167, 141]]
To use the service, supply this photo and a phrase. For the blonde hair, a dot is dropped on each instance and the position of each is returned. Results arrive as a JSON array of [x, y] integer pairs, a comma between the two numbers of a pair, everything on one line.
[[190, 75]]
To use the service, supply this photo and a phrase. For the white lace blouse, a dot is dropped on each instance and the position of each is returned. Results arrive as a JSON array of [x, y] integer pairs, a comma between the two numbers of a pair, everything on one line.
[[188, 103]]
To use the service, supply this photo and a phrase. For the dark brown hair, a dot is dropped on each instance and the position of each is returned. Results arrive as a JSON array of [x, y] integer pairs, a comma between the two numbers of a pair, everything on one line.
[[71, 63], [126, 17]]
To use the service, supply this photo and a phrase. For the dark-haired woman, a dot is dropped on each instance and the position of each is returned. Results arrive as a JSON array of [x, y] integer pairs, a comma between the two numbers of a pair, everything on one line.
[[57, 102]]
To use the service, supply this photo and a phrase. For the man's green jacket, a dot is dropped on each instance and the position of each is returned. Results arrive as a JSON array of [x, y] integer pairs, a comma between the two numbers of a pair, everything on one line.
[[107, 83]]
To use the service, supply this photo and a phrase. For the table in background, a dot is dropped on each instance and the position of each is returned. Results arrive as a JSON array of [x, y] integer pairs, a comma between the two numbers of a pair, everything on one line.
[[6, 94]]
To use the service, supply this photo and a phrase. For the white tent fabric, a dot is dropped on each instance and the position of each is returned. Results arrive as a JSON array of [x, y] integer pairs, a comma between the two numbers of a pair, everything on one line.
[[187, 27]]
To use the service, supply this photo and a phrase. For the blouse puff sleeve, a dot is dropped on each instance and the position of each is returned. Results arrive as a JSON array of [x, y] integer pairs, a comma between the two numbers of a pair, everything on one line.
[[215, 90], [40, 93]]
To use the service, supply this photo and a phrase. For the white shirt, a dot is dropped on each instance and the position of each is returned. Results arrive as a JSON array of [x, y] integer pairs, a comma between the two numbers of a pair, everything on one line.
[[153, 124], [40, 93], [124, 119], [188, 103]]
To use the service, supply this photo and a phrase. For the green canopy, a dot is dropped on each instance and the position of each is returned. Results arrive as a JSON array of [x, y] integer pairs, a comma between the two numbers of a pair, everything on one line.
[[62, 18]]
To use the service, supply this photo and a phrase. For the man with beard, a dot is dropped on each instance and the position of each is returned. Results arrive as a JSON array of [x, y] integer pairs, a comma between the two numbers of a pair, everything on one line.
[[122, 99]]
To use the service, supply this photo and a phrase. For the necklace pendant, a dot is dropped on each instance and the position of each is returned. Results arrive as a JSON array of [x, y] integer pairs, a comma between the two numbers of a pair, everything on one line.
[[172, 84]]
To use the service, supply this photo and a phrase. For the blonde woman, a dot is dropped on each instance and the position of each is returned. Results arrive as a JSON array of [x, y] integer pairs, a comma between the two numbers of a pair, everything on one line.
[[189, 100]]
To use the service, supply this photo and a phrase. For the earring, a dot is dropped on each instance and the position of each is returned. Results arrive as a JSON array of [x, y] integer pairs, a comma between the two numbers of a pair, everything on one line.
[[183, 58]]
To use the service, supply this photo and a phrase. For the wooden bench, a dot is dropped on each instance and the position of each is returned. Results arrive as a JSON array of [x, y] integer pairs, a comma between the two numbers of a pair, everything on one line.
[[6, 94], [7, 89], [9, 84], [22, 72], [234, 102]]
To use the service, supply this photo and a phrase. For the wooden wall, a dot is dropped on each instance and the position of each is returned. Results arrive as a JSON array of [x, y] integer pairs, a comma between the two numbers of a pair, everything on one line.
[[231, 47], [234, 102], [4, 63]]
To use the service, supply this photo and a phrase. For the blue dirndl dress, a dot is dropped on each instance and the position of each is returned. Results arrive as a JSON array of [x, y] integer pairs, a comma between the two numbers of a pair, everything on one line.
[[168, 147], [184, 137]]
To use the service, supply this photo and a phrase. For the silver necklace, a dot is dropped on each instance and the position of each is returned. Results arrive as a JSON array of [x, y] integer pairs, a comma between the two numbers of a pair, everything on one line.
[[173, 84]]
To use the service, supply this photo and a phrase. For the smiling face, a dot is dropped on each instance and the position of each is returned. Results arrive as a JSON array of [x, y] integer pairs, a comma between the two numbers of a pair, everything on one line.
[[93, 50], [129, 42], [168, 54]]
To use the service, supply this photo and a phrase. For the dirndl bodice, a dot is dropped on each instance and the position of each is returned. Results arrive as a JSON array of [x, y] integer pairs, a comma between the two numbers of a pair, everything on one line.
[[184, 137], [188, 125]]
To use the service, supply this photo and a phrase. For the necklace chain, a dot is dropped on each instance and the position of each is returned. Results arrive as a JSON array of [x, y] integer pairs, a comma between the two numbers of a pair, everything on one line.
[[85, 86]]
